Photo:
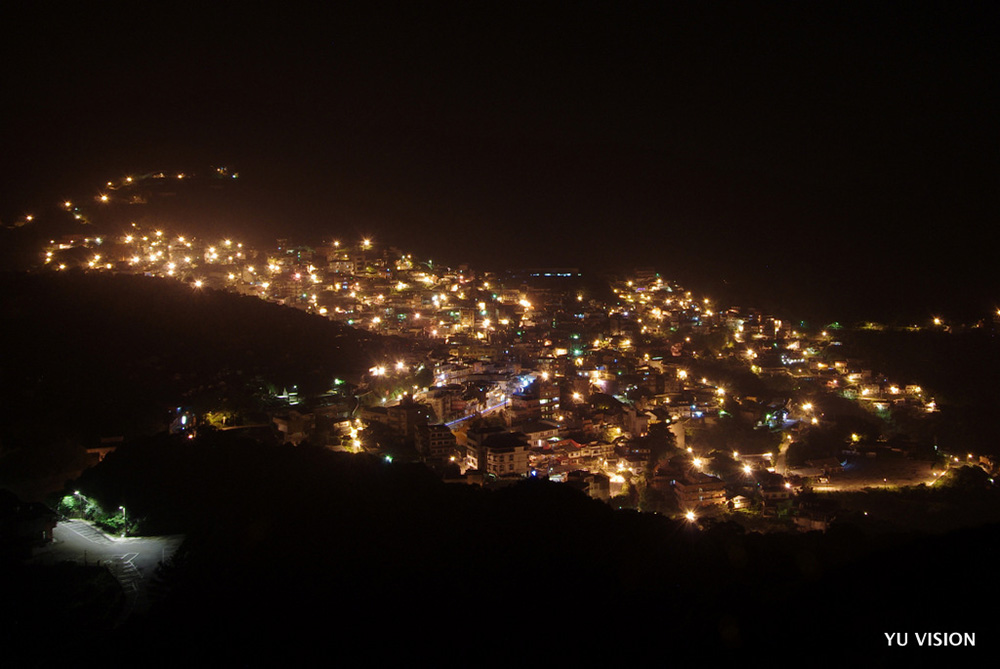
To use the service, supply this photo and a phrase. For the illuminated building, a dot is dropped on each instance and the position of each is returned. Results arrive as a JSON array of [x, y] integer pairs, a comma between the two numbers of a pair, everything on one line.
[[696, 490]]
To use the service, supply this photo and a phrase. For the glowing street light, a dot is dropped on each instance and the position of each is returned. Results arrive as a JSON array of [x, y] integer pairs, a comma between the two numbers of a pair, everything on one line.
[[83, 501]]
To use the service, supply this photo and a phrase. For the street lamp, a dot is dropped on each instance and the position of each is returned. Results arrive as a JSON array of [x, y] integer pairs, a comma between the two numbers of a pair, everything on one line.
[[83, 503], [124, 521]]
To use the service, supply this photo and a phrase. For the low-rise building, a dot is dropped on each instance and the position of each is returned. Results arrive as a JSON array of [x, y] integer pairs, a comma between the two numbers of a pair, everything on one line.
[[504, 455], [436, 441], [593, 484], [695, 490]]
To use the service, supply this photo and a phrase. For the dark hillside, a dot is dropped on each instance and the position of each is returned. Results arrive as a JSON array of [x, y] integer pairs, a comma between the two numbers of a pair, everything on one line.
[[300, 552], [90, 356]]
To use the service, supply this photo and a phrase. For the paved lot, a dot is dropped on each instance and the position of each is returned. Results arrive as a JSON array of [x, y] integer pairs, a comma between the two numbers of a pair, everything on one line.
[[863, 473], [132, 560]]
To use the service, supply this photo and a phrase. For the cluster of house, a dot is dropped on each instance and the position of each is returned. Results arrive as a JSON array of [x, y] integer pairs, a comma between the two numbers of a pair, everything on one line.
[[571, 378]]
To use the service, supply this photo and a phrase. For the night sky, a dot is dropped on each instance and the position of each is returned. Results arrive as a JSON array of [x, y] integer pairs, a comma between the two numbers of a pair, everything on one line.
[[840, 158]]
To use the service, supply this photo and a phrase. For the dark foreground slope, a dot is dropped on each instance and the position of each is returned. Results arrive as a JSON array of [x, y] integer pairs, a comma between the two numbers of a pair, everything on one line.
[[88, 356], [300, 553]]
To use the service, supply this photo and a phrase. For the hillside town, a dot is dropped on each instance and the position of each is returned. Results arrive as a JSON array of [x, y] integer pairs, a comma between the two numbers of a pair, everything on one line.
[[634, 390]]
